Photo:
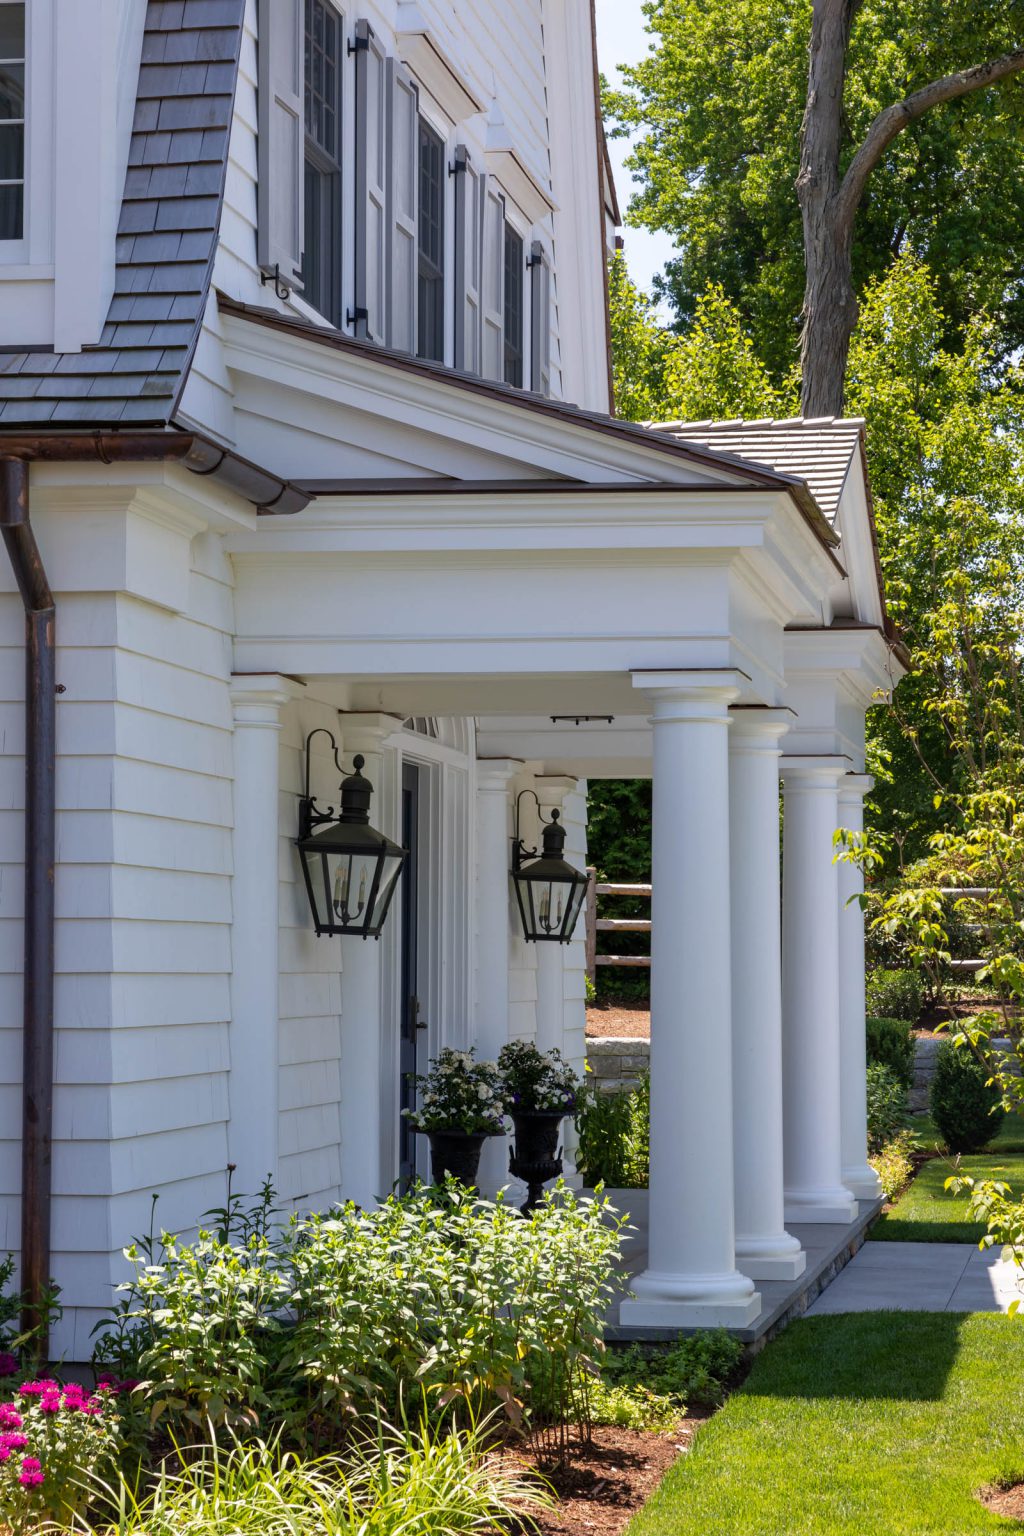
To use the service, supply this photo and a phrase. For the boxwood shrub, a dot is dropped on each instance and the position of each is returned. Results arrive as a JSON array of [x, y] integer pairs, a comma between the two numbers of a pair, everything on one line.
[[894, 995], [966, 1111]]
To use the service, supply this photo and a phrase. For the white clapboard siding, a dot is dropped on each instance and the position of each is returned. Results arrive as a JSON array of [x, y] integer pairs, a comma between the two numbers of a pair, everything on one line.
[[143, 940], [309, 997]]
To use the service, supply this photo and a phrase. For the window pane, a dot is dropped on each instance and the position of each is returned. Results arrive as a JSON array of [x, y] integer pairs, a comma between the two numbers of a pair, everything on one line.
[[513, 308], [11, 216], [12, 90], [430, 239], [321, 262], [12, 31], [12, 152]]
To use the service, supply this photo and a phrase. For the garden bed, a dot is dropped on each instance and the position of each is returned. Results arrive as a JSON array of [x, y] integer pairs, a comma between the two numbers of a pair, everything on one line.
[[618, 1021], [926, 1212], [602, 1486]]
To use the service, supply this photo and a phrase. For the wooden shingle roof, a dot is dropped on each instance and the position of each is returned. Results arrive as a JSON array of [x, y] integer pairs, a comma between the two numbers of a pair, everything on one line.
[[167, 235], [817, 450]]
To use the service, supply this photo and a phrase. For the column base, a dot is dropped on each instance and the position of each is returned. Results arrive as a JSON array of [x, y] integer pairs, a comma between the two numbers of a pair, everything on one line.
[[664, 1300], [690, 1314], [863, 1182], [825, 1207], [770, 1258]]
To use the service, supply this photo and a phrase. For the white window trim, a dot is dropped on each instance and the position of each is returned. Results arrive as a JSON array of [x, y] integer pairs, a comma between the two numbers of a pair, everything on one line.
[[24, 257]]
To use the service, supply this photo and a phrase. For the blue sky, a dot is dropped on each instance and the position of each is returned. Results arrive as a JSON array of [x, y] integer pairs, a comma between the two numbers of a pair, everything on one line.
[[621, 39]]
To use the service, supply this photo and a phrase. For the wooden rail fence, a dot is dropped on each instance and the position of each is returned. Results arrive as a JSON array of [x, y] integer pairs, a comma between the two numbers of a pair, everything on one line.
[[596, 925]]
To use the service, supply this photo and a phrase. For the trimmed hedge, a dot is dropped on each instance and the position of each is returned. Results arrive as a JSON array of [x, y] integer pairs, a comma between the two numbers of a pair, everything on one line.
[[894, 995], [890, 1043]]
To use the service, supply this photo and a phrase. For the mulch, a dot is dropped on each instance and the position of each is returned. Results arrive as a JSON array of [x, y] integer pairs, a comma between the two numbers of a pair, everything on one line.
[[1008, 1502], [603, 1486], [608, 1021]]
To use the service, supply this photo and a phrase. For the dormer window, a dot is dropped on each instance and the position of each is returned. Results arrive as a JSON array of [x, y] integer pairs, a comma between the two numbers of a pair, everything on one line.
[[12, 120]]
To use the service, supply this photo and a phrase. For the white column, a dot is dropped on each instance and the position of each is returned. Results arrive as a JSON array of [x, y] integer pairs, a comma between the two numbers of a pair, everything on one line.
[[253, 1082], [369, 1068], [493, 933], [810, 993], [764, 1249], [691, 1279], [858, 1174], [551, 792]]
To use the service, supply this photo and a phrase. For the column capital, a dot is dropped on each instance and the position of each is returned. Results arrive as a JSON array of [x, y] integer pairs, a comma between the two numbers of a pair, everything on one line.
[[552, 788], [854, 786], [696, 694], [813, 773], [495, 774], [758, 728], [257, 698], [365, 732]]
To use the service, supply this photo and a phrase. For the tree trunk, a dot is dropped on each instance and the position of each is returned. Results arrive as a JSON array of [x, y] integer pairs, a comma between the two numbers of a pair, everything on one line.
[[830, 307]]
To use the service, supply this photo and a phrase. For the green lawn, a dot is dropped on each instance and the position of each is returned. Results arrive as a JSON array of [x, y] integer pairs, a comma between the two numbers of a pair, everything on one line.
[[866, 1424], [927, 1213]]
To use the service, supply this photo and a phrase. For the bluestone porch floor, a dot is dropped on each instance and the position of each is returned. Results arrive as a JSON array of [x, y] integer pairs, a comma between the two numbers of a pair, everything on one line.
[[829, 1250], [922, 1277]]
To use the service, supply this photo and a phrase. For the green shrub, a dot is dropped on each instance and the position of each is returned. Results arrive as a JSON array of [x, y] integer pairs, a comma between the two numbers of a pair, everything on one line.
[[890, 1043], [615, 1137], [894, 1163], [894, 995], [887, 1106], [696, 1369], [634, 1407], [341, 1316], [966, 1110]]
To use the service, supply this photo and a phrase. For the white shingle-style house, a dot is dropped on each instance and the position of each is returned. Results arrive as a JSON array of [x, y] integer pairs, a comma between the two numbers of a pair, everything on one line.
[[304, 422]]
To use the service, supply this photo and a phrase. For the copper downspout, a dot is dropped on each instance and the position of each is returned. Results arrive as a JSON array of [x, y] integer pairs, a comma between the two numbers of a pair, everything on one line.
[[40, 802]]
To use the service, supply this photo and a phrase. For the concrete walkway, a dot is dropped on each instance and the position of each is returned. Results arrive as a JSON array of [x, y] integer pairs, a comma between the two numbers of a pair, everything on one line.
[[922, 1277]]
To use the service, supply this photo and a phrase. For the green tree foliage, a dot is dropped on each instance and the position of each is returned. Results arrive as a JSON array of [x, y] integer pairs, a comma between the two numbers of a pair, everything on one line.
[[719, 102]]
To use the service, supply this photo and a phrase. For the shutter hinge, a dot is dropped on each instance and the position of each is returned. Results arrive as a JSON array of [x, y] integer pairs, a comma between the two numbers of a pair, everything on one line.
[[460, 161], [353, 316], [273, 275], [359, 44]]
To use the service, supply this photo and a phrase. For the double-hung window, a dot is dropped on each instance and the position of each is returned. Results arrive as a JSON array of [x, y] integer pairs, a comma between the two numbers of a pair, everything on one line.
[[514, 270], [430, 271], [12, 120], [321, 262]]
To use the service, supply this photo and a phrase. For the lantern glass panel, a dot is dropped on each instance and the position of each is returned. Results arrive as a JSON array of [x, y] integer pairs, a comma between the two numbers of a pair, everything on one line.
[[346, 891]]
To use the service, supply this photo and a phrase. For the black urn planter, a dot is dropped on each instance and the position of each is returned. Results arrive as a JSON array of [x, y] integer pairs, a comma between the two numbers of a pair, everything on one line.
[[456, 1153], [535, 1156]]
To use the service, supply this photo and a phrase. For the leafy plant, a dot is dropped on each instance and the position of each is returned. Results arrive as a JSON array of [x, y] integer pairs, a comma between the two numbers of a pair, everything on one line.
[[536, 1080], [894, 1163], [696, 1369], [890, 1043], [965, 1104], [894, 995], [614, 1137], [337, 1317], [458, 1093], [51, 1437], [886, 1106], [395, 1482], [633, 1406]]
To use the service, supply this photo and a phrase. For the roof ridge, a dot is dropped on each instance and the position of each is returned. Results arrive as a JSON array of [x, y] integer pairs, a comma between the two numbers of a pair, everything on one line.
[[762, 423]]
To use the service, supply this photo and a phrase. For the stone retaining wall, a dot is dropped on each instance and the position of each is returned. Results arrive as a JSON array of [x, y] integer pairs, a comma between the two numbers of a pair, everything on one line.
[[618, 1062]]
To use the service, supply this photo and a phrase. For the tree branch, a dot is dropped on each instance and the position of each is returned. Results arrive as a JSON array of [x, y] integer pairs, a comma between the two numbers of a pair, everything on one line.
[[891, 122]]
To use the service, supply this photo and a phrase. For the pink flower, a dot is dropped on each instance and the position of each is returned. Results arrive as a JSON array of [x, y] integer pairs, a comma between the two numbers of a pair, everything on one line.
[[49, 1402], [13, 1442], [37, 1388], [10, 1418], [31, 1474], [8, 1364]]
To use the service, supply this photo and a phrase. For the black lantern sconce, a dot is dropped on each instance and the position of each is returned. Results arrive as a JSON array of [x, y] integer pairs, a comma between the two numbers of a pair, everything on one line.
[[550, 892], [351, 870]]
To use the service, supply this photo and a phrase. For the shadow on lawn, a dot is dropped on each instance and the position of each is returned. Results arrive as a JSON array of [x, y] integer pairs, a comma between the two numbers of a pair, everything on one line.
[[860, 1355]]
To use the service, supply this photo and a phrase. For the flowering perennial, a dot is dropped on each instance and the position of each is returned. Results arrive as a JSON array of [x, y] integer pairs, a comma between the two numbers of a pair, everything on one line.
[[459, 1093], [51, 1436], [533, 1081]]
